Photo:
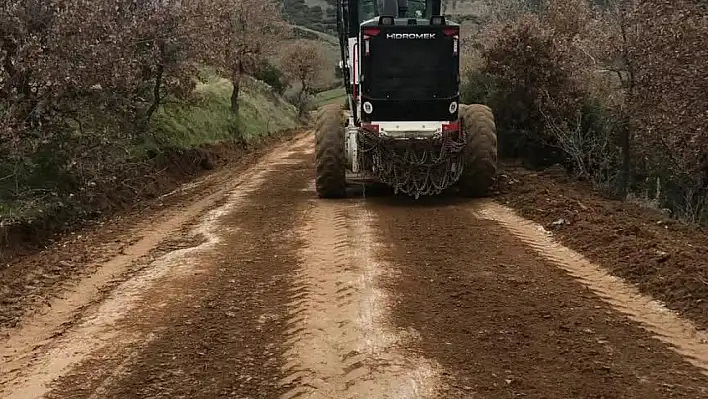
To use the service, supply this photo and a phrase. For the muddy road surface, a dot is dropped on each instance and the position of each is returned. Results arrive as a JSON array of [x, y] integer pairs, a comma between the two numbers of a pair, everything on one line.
[[258, 289]]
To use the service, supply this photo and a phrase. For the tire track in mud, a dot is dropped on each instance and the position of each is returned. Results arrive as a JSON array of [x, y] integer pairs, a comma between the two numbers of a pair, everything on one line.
[[680, 334], [128, 321], [218, 332], [340, 342], [504, 322]]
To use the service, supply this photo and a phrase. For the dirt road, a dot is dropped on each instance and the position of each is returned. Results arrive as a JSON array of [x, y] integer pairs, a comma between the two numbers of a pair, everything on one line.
[[253, 288]]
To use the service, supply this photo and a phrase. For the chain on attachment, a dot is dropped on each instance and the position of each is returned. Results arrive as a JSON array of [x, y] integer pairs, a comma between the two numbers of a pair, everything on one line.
[[415, 167]]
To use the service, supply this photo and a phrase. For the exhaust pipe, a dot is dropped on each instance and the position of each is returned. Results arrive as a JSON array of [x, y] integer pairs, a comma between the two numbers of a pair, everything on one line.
[[389, 7], [402, 8]]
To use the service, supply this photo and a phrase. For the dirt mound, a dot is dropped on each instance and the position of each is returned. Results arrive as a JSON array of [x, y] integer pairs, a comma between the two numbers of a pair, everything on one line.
[[663, 257]]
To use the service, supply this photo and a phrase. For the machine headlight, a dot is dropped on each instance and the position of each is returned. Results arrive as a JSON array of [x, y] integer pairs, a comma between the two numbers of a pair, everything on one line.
[[368, 108], [453, 107]]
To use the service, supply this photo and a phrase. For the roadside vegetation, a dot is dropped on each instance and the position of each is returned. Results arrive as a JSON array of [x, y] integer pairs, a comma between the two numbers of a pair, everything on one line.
[[103, 102], [613, 90], [334, 96], [318, 15]]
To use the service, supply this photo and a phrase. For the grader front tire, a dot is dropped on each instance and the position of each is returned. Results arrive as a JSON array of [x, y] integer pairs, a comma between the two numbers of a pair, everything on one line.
[[480, 168], [329, 152]]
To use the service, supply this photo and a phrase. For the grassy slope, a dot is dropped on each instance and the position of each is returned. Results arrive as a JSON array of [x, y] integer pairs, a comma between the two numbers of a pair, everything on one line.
[[210, 121], [330, 97], [321, 3]]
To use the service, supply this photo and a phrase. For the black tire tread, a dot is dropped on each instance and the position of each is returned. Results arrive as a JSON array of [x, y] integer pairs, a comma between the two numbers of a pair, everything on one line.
[[330, 180], [481, 153]]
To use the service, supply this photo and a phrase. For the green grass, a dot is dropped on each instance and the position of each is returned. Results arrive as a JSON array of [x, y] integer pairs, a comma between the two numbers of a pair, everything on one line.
[[211, 120], [330, 97], [262, 112]]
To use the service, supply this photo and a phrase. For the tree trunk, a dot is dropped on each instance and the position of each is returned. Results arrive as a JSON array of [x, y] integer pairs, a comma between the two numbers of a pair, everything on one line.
[[626, 132], [302, 100], [625, 145], [156, 90], [236, 81]]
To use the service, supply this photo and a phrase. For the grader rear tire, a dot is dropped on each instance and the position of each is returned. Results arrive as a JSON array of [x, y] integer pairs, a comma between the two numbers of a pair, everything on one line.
[[329, 152], [480, 168]]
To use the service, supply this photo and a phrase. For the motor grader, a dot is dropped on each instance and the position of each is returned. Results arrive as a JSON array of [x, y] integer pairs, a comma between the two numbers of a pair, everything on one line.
[[404, 125]]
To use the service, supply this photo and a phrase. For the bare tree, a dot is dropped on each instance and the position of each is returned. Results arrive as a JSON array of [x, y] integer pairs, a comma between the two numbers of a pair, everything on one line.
[[247, 30], [303, 62], [80, 80]]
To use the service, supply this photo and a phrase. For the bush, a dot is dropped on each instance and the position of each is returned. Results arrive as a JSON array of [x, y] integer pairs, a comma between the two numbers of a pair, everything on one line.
[[669, 104], [616, 94], [478, 88], [524, 81], [272, 75]]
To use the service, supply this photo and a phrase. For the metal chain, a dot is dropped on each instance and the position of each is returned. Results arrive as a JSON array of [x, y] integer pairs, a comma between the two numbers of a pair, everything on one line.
[[414, 167]]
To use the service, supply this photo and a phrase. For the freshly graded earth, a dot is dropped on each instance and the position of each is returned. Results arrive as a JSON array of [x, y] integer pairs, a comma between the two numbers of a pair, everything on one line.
[[245, 285]]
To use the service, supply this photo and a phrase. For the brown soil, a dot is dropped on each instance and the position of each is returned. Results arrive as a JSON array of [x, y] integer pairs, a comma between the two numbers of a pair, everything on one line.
[[340, 341], [216, 331], [504, 323], [273, 292], [663, 257], [72, 248]]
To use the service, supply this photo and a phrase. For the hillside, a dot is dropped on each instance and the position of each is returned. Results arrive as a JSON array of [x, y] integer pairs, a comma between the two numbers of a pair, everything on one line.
[[315, 14], [186, 139], [328, 45]]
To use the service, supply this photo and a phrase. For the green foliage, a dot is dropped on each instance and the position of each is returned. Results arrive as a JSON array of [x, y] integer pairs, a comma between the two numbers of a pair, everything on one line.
[[416, 7], [478, 88], [209, 119], [271, 75], [336, 95], [263, 113]]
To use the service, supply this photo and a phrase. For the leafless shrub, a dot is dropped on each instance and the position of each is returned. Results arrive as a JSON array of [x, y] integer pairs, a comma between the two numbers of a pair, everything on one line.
[[639, 66], [80, 80], [670, 106]]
